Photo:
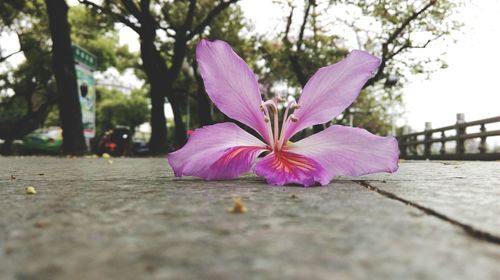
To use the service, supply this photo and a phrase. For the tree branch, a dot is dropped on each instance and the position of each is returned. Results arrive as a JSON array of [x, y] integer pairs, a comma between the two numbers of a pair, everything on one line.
[[121, 18], [385, 46], [4, 58], [188, 23], [208, 19], [133, 9], [288, 25], [300, 41]]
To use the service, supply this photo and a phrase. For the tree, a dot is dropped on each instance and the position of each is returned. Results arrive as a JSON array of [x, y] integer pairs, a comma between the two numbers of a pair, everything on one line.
[[27, 91], [65, 74], [180, 21], [115, 108], [395, 28], [227, 26]]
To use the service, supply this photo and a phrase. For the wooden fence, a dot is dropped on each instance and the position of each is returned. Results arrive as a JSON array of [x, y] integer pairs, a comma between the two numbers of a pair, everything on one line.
[[419, 146]]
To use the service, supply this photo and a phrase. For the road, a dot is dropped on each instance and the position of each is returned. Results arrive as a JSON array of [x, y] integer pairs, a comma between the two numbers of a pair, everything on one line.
[[132, 219]]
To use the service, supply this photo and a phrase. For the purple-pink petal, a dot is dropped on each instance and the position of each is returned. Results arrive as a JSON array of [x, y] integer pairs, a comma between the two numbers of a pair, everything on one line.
[[283, 168], [217, 152], [349, 151], [231, 84], [332, 89]]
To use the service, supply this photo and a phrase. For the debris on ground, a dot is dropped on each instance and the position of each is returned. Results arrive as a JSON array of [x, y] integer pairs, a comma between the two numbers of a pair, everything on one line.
[[41, 224], [30, 190], [238, 206], [106, 156]]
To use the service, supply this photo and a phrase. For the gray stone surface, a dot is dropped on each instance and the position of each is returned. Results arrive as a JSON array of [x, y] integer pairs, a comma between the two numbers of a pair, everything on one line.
[[133, 220], [467, 191]]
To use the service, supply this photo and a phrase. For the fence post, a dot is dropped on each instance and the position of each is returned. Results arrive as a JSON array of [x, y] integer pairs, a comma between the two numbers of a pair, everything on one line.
[[460, 149], [427, 140], [482, 145], [443, 143], [403, 139]]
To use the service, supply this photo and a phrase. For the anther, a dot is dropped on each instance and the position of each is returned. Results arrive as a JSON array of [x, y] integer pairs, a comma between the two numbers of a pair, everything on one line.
[[261, 108], [266, 119], [295, 106], [294, 118]]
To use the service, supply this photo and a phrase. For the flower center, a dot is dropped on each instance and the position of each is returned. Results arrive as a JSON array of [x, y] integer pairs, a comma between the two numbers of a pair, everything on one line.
[[270, 107]]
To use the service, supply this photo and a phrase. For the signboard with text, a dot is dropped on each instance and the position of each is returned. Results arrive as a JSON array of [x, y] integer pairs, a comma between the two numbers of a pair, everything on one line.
[[85, 63]]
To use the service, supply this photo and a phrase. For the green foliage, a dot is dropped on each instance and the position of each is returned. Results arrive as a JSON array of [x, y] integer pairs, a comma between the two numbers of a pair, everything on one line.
[[27, 91], [390, 29], [96, 33], [115, 108]]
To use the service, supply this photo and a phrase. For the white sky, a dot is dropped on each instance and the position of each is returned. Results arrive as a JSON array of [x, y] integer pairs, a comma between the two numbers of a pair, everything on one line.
[[469, 85]]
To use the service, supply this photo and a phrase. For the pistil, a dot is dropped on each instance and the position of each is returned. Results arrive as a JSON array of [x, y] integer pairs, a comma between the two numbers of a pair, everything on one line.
[[277, 139]]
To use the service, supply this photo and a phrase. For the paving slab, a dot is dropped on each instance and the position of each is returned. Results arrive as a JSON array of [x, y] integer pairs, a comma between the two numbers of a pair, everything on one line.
[[467, 191], [131, 219]]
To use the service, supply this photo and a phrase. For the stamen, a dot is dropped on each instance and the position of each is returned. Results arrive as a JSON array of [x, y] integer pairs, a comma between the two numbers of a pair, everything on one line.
[[269, 129], [276, 140], [284, 125], [272, 104]]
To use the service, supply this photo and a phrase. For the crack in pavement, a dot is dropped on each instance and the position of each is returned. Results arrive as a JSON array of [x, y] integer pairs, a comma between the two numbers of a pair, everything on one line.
[[468, 229]]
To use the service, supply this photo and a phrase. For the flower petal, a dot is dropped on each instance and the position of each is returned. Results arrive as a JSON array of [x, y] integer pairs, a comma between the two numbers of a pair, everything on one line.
[[282, 168], [349, 151], [231, 84], [216, 152], [332, 89]]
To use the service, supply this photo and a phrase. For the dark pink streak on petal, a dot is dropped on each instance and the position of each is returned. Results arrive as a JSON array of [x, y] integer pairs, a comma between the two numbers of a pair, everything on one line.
[[349, 151], [332, 89], [282, 168], [219, 151], [234, 162], [231, 84]]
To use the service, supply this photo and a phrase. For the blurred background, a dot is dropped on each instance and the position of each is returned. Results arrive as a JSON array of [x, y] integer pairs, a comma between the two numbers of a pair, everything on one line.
[[120, 77]]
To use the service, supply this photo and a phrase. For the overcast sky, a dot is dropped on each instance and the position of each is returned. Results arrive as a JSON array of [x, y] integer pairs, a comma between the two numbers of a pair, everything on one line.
[[469, 85]]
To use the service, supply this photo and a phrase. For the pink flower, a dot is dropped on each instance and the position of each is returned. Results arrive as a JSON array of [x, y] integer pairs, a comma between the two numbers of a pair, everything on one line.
[[225, 151]]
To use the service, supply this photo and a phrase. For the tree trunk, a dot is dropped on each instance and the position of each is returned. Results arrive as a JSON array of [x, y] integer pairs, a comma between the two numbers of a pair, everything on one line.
[[204, 114], [65, 74], [156, 73], [180, 48], [180, 128], [6, 149], [161, 80]]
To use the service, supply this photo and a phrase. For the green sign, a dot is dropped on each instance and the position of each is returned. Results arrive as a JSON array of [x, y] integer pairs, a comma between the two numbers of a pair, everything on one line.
[[86, 88], [85, 64], [84, 57]]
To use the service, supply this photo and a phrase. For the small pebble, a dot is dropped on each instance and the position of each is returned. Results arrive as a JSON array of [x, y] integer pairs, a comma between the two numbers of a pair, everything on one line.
[[106, 156], [12, 177], [110, 161], [30, 190]]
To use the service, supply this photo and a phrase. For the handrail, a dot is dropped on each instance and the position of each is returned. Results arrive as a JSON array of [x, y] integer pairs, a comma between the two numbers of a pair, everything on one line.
[[408, 143]]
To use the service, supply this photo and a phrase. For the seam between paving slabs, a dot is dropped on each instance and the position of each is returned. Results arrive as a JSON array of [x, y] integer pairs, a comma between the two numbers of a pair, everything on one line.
[[468, 229]]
